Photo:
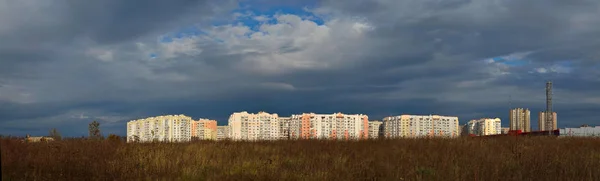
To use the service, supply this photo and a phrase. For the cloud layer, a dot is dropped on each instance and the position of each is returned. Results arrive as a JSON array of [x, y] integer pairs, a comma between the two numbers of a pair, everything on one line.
[[65, 64]]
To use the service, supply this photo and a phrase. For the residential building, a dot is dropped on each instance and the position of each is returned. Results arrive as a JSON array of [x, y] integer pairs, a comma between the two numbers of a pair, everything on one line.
[[583, 131], [520, 119], [171, 128], [204, 129], [284, 128], [222, 132], [260, 126], [485, 126], [505, 130], [411, 126], [329, 126], [374, 128], [546, 126]]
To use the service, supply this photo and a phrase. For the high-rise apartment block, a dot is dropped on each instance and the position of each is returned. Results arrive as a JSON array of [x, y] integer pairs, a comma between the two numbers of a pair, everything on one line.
[[204, 129], [374, 128], [222, 132], [260, 126], [485, 126], [284, 128], [544, 125], [410, 126], [172, 128], [329, 126], [520, 119]]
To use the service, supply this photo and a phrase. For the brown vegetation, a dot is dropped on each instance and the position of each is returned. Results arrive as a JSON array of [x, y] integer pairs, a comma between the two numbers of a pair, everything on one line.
[[504, 158]]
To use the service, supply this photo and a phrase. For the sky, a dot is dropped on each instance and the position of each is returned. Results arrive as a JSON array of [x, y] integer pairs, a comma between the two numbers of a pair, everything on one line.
[[64, 64]]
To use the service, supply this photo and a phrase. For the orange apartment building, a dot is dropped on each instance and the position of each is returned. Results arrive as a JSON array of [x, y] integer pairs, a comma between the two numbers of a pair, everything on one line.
[[329, 126]]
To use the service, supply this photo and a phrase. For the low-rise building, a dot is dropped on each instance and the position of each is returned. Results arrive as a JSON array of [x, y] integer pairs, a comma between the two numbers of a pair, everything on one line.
[[583, 131]]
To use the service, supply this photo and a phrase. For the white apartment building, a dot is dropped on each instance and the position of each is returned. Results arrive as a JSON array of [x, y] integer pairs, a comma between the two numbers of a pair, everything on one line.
[[284, 128], [329, 126], [260, 126], [374, 128], [485, 126], [171, 128], [412, 126]]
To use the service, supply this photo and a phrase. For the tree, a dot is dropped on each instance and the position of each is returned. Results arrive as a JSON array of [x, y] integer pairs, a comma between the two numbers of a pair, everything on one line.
[[114, 138], [94, 129], [55, 134]]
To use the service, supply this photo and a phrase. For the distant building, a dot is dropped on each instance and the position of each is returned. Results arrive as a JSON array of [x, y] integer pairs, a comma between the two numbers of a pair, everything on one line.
[[284, 128], [329, 126], [222, 132], [170, 128], [505, 130], [33, 139], [250, 126], [374, 127], [411, 126], [520, 119], [584, 131], [204, 129], [543, 125], [485, 126]]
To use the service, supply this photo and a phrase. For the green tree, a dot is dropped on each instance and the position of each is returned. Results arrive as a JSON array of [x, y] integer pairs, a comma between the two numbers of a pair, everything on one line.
[[55, 134], [94, 129]]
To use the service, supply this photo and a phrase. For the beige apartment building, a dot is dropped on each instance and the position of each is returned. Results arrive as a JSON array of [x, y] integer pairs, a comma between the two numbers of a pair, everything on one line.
[[204, 129], [374, 129], [170, 128], [412, 126], [329, 126], [485, 126], [545, 126], [520, 119], [250, 126]]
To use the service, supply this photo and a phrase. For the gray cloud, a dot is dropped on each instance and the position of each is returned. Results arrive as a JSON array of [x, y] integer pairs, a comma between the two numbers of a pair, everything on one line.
[[375, 57]]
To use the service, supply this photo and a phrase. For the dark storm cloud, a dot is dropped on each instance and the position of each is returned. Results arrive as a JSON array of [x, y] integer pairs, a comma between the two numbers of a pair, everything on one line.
[[107, 22]]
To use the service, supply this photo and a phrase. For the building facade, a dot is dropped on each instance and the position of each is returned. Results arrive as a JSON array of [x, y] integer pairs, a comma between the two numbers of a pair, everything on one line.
[[250, 126], [583, 131], [412, 126], [204, 129], [374, 128], [520, 119], [284, 128], [505, 130], [222, 132], [170, 128], [485, 126], [329, 126], [547, 126]]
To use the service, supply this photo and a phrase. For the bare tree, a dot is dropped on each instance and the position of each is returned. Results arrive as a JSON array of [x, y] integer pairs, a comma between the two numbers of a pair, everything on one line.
[[55, 134], [94, 129]]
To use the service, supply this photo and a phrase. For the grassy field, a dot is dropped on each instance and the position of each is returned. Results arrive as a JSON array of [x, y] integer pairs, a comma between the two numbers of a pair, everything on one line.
[[509, 158]]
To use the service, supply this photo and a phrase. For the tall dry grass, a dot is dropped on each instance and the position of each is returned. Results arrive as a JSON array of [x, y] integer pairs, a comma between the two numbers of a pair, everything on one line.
[[506, 158]]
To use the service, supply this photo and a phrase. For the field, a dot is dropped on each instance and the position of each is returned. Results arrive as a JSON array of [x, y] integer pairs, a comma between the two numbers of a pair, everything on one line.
[[505, 158]]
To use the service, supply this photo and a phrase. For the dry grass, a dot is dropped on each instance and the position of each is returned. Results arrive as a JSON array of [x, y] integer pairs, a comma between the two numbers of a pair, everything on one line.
[[509, 158]]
